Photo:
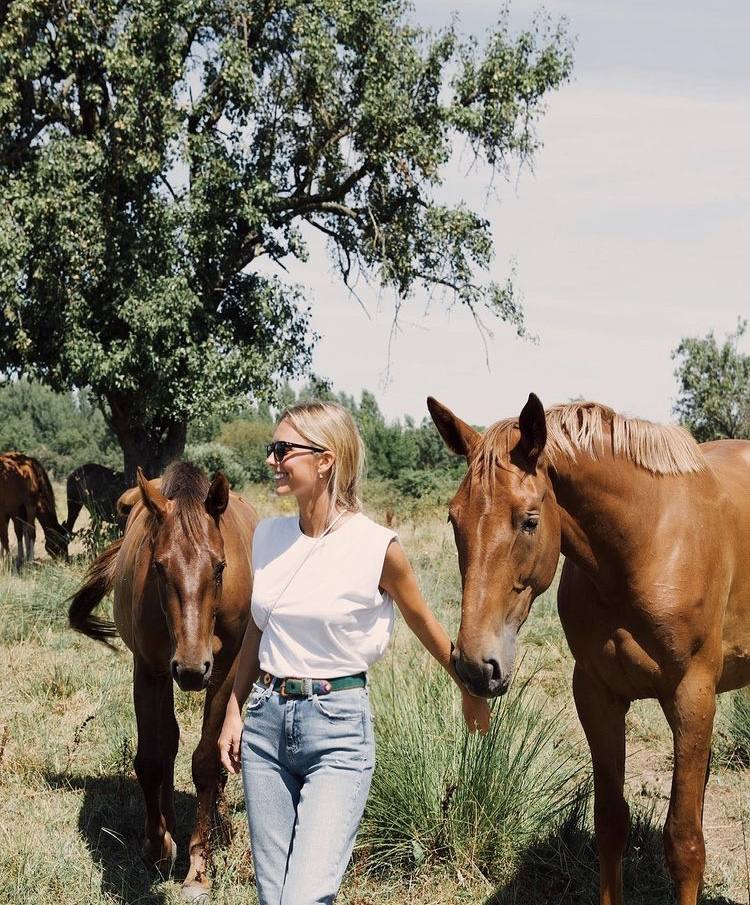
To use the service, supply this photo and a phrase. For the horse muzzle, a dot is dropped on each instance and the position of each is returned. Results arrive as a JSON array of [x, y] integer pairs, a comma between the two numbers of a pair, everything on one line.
[[192, 677], [485, 679]]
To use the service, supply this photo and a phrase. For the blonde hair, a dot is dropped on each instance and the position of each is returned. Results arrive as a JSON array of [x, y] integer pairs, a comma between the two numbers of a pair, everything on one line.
[[330, 426]]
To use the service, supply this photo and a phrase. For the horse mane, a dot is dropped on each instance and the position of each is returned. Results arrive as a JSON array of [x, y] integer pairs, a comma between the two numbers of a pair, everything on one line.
[[187, 485], [579, 427]]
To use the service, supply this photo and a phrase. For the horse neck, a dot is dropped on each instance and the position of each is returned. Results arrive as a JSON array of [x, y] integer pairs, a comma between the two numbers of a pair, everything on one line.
[[604, 505], [46, 511], [48, 519]]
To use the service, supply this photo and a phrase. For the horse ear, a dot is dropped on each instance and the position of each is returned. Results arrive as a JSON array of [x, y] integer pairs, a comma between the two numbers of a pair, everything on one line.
[[459, 437], [217, 498], [153, 499], [532, 423]]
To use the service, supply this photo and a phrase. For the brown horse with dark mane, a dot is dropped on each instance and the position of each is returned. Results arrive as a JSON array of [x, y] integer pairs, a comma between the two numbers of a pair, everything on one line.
[[26, 495], [654, 596], [182, 583]]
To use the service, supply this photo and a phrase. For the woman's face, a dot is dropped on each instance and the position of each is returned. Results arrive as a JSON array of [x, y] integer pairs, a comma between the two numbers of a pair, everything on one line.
[[301, 471]]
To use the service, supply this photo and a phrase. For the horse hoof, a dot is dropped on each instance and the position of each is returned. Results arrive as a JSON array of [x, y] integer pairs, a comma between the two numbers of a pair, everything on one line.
[[195, 892]]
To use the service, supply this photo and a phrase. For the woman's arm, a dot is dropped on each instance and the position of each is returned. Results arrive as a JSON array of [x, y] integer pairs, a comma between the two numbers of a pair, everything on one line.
[[248, 669], [399, 580]]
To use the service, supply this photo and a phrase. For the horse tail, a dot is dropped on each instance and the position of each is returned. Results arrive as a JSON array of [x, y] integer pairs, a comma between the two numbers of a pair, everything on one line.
[[96, 585]]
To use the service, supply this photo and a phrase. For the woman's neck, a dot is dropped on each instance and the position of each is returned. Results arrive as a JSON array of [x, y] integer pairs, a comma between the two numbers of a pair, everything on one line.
[[315, 513]]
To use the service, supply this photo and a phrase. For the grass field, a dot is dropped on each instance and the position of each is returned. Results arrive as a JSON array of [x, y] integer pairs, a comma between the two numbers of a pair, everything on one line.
[[497, 821]]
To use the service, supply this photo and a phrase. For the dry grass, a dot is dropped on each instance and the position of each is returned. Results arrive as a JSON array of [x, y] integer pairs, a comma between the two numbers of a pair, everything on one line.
[[71, 813]]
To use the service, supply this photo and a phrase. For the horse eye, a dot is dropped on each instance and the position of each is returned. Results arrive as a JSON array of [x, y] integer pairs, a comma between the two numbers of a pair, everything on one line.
[[529, 525]]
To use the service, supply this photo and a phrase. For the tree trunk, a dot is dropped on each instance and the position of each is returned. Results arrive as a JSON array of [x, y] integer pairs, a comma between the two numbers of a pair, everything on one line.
[[152, 449]]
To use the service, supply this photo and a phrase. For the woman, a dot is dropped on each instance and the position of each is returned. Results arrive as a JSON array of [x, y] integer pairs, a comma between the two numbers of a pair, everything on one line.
[[321, 614]]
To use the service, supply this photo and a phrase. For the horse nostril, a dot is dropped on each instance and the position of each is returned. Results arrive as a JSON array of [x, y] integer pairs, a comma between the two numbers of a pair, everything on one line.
[[206, 666], [492, 668], [175, 671]]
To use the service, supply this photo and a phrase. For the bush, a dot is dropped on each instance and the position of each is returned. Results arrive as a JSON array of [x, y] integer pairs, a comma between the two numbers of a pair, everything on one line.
[[440, 794], [215, 457], [431, 486], [97, 535], [247, 440]]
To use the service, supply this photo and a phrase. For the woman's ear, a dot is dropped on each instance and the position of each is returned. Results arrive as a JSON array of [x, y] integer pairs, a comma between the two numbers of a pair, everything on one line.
[[325, 463]]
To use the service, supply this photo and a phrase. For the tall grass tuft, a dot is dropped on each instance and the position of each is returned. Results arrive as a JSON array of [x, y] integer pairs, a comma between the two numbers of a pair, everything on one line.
[[442, 795], [733, 748], [33, 604]]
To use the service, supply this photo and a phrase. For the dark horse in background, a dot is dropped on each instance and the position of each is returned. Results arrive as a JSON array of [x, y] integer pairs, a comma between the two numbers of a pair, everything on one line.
[[25, 496], [654, 596], [97, 488], [182, 582]]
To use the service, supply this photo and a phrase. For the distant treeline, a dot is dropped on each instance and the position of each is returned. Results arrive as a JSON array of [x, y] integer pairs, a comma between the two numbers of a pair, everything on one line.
[[66, 430], [61, 430]]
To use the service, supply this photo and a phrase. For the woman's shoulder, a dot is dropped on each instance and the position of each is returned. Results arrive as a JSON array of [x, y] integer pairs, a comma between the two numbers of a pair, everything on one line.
[[374, 529]]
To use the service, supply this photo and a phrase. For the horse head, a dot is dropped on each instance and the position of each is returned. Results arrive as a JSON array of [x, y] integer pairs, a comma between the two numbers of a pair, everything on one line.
[[507, 531], [56, 542], [187, 558]]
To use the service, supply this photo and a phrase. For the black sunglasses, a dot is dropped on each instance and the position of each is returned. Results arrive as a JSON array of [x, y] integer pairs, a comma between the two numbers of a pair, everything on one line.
[[279, 449]]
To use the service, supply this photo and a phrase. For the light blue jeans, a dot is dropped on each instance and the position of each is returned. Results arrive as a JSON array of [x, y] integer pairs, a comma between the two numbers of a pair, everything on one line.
[[306, 767]]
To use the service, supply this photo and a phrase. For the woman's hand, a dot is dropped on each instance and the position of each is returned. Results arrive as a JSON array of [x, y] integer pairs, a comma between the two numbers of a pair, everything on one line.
[[229, 740], [476, 712]]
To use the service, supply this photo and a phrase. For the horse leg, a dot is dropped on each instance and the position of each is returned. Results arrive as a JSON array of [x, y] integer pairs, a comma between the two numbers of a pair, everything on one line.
[[690, 713], [170, 742], [602, 716], [4, 543], [19, 528], [30, 537], [154, 713], [209, 778]]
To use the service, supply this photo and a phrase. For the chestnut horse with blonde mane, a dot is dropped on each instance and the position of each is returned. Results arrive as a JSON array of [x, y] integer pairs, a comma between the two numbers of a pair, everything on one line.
[[182, 582], [654, 596]]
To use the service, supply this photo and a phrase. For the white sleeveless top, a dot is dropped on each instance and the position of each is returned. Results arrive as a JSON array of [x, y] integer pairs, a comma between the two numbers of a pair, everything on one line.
[[331, 618]]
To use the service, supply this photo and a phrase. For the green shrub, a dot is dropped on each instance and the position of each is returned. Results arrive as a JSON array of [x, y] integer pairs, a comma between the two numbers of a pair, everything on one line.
[[431, 486], [247, 440], [440, 794], [97, 535], [215, 457]]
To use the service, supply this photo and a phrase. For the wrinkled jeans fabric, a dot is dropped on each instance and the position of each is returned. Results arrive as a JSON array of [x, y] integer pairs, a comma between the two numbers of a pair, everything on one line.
[[306, 768]]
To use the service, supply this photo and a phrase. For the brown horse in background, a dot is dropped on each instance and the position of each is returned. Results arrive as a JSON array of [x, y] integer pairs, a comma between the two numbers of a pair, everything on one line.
[[25, 495], [97, 488], [182, 584], [654, 596]]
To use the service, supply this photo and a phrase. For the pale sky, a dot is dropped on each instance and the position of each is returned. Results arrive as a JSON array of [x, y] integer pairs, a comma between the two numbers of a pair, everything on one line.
[[632, 231]]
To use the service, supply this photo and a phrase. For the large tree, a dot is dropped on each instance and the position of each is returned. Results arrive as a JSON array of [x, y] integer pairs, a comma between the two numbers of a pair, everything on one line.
[[152, 152], [714, 386]]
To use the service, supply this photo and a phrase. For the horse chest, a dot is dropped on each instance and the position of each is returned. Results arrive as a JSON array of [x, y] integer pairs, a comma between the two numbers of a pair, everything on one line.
[[611, 651]]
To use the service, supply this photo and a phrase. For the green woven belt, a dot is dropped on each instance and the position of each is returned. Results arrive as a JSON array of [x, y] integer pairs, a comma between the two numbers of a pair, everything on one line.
[[302, 688]]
